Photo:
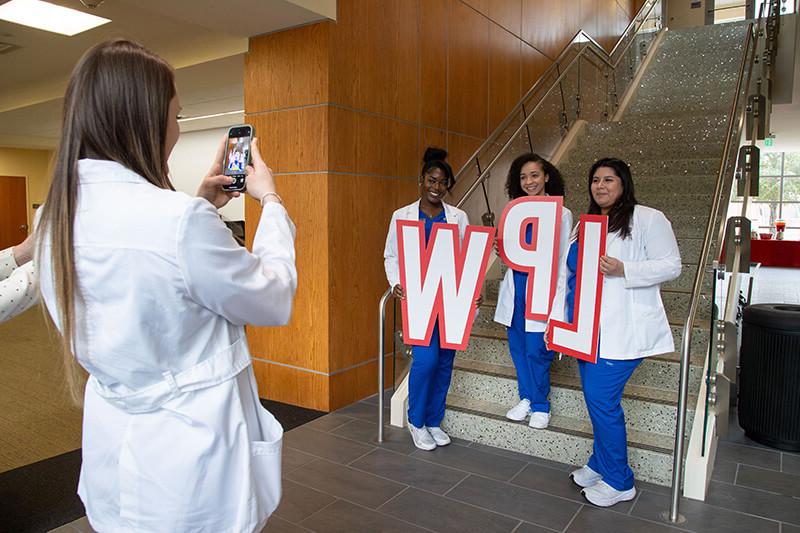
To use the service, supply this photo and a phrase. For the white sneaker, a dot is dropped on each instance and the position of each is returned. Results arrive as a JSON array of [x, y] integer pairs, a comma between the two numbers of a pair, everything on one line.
[[539, 420], [604, 495], [585, 477], [440, 437], [520, 411], [422, 439]]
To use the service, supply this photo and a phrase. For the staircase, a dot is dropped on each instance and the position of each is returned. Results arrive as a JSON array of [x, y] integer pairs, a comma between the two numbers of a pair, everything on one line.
[[672, 136]]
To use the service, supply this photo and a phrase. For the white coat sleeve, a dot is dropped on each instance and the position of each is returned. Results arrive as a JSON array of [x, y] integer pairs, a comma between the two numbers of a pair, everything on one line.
[[391, 261], [246, 288], [19, 291], [663, 261], [7, 263]]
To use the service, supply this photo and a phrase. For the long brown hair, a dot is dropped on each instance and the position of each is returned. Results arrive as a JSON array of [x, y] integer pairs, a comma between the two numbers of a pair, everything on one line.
[[115, 109]]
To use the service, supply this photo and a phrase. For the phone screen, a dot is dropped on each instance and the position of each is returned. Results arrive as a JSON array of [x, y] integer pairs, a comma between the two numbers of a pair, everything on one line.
[[237, 155]]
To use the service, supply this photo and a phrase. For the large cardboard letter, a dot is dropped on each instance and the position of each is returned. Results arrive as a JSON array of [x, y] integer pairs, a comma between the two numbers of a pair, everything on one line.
[[441, 280], [540, 257], [580, 339]]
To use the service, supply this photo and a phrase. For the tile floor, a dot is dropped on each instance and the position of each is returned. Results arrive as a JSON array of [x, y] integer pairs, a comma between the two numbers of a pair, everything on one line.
[[337, 478]]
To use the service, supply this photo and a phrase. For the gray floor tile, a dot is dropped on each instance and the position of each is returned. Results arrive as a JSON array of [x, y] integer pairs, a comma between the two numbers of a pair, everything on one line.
[[748, 455], [756, 502], [512, 500], [522, 457], [525, 527], [365, 411], [736, 434], [760, 478], [443, 514], [557, 483], [724, 471], [325, 445], [395, 439], [277, 524], [410, 471], [299, 502], [788, 528], [328, 422], [701, 517], [292, 459], [790, 464], [593, 520], [66, 528], [346, 517], [473, 460], [373, 400], [345, 482]]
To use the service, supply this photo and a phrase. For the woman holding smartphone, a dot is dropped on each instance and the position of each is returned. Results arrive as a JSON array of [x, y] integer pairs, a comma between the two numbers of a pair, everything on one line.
[[530, 175], [641, 253], [151, 294], [432, 366]]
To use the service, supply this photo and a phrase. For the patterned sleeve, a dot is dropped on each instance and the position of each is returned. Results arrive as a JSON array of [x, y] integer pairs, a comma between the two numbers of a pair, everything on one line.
[[19, 291]]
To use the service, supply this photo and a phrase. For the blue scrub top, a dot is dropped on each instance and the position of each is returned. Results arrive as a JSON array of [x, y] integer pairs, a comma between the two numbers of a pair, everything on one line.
[[572, 269], [521, 278], [429, 222]]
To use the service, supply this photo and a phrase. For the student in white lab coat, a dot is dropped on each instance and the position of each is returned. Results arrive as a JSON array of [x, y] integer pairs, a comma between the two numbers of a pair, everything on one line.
[[19, 283], [432, 366], [641, 253], [530, 175], [151, 294]]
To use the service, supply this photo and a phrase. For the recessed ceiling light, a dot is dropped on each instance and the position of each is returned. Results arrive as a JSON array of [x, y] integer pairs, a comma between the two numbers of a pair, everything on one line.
[[49, 17]]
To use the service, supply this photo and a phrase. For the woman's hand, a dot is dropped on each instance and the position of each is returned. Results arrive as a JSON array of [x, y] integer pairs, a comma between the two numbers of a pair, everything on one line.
[[23, 252], [259, 176], [479, 300], [546, 336], [611, 266], [211, 186], [398, 292]]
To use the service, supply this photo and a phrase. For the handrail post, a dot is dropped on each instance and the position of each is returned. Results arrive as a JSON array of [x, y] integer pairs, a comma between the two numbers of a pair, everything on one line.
[[381, 334]]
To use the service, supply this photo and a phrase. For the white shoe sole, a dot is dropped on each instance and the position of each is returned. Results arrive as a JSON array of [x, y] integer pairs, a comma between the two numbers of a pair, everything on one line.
[[625, 496], [587, 485], [517, 419]]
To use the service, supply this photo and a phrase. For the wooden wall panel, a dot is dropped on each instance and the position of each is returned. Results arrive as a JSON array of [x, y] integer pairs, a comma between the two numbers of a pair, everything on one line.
[[590, 14], [357, 383], [461, 148], [482, 6], [375, 57], [504, 74], [430, 137], [534, 63], [548, 26], [406, 191], [368, 144], [508, 14], [289, 385], [433, 29], [467, 86], [286, 69], [303, 342], [360, 208], [293, 140]]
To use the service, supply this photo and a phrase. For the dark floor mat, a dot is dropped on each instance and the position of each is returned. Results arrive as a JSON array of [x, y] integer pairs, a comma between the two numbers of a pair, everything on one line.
[[42, 496]]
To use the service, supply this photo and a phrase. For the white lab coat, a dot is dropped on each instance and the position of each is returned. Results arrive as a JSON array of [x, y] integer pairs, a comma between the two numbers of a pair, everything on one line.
[[174, 437], [19, 286], [505, 298], [633, 323], [391, 261]]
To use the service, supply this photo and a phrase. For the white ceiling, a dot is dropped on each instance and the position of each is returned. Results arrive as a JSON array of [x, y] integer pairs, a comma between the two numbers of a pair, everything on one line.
[[203, 39]]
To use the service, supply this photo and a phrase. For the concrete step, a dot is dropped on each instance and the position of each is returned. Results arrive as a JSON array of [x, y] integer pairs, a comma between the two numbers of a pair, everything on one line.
[[568, 440], [645, 165], [646, 408]]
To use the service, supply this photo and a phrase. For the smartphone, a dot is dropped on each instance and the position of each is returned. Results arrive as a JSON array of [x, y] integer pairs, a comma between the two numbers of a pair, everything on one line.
[[237, 156]]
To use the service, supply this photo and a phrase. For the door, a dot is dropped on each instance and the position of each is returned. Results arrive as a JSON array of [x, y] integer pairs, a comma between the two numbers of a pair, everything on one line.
[[686, 13], [13, 211]]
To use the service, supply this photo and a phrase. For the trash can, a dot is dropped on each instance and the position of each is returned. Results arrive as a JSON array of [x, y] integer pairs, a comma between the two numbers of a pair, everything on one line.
[[769, 379]]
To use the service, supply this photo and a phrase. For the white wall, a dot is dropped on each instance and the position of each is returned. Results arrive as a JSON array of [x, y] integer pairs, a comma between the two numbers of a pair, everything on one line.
[[190, 161]]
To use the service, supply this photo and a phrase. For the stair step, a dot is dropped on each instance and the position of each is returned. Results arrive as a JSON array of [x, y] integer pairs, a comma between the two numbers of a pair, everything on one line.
[[578, 165], [567, 440], [646, 408]]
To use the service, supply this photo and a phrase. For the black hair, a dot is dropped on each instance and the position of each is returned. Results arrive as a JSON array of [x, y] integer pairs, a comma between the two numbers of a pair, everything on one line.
[[554, 185], [437, 158], [621, 213]]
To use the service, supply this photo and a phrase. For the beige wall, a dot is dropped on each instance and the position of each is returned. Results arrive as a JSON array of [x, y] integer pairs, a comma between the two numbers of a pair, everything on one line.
[[35, 166]]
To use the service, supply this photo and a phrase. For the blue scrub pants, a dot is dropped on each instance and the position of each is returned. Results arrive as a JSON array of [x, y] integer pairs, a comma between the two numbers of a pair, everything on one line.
[[532, 361], [428, 382], [603, 384]]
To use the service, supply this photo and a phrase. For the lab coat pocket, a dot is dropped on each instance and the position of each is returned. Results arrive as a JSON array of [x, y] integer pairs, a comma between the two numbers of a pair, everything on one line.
[[649, 319], [266, 462]]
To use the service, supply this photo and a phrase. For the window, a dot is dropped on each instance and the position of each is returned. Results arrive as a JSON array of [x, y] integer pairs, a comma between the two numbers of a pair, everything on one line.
[[779, 195]]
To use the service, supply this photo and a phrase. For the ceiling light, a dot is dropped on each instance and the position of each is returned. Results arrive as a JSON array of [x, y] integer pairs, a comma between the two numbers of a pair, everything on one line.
[[212, 115], [49, 17]]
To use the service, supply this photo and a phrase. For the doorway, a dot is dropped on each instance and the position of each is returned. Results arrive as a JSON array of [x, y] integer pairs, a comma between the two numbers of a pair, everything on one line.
[[13, 211]]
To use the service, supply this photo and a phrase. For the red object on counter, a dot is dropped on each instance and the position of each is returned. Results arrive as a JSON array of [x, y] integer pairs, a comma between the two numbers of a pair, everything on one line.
[[775, 253]]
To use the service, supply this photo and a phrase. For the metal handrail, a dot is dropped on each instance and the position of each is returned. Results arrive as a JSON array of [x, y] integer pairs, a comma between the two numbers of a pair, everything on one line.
[[750, 45], [381, 357], [593, 47]]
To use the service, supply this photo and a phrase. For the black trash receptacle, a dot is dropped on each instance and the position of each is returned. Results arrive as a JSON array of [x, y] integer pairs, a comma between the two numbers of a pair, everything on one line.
[[769, 379]]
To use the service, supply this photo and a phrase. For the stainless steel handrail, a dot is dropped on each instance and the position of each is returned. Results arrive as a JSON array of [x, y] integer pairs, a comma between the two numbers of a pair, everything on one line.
[[381, 357], [683, 392], [579, 37]]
